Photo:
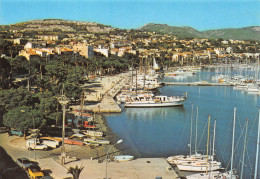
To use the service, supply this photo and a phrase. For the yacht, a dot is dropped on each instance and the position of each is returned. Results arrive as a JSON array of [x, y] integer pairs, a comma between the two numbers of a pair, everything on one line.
[[156, 101]]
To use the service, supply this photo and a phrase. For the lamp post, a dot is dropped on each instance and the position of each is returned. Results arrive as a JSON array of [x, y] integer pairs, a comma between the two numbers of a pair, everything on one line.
[[118, 142], [63, 101], [35, 137]]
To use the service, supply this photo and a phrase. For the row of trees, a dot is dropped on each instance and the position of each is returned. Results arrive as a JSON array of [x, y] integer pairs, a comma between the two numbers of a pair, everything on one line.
[[22, 109]]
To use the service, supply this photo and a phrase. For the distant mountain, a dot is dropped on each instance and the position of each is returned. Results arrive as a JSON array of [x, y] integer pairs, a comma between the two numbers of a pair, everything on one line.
[[173, 30], [246, 33]]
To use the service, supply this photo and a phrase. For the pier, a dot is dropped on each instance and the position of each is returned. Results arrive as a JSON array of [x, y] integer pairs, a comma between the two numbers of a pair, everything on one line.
[[103, 91], [198, 84]]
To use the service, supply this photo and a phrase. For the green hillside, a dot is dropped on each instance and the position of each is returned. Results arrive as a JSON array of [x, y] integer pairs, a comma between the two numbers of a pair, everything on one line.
[[247, 33]]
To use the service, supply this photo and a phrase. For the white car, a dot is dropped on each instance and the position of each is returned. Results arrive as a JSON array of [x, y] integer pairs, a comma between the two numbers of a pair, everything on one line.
[[50, 143], [31, 144]]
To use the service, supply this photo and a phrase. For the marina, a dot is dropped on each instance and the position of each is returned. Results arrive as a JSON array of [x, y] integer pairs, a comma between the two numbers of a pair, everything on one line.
[[162, 132]]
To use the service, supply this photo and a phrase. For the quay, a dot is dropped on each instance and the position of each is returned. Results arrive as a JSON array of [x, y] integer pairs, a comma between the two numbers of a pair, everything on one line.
[[103, 91], [198, 84]]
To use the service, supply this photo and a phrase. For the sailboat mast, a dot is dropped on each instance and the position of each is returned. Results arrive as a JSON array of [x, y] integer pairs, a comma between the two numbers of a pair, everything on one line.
[[244, 150], [144, 72], [191, 126], [233, 142], [208, 144], [257, 147], [136, 82], [213, 148], [196, 130]]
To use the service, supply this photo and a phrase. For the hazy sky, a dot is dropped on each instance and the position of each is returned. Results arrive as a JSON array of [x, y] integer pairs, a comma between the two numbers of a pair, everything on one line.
[[199, 14]]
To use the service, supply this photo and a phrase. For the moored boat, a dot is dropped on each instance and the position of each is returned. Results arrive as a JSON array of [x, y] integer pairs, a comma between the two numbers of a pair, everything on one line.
[[157, 101], [121, 158]]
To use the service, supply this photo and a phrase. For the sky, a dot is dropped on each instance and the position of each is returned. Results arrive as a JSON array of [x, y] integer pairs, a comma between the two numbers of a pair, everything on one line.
[[131, 14]]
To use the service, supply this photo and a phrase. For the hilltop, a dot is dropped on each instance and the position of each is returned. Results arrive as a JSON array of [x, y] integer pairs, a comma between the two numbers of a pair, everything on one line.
[[72, 26], [246, 33], [60, 25]]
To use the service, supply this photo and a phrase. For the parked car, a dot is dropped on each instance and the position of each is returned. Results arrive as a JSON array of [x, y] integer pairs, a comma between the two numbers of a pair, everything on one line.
[[50, 143], [25, 163], [32, 144], [35, 172], [15, 132]]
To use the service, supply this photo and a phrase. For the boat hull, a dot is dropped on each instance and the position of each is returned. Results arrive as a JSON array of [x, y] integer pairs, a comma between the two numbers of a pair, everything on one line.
[[198, 168], [153, 104], [121, 158]]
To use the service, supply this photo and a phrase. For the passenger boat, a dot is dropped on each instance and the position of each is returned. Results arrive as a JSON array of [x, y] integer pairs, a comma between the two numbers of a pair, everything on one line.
[[121, 158], [157, 101], [122, 96]]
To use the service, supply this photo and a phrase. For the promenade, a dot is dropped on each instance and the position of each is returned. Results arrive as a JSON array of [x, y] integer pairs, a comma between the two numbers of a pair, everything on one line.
[[103, 90]]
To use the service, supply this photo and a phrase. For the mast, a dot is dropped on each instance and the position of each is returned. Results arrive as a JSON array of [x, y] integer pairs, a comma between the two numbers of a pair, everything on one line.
[[132, 76], [244, 150], [257, 146], [196, 130], [213, 148], [233, 144], [136, 82], [208, 145], [144, 73], [191, 126]]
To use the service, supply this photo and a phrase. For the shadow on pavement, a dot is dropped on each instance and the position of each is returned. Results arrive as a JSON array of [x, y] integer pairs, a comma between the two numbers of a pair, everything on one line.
[[9, 169]]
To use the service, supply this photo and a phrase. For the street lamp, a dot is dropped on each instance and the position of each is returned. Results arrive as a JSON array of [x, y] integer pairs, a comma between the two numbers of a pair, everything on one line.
[[63, 101], [118, 142], [35, 137]]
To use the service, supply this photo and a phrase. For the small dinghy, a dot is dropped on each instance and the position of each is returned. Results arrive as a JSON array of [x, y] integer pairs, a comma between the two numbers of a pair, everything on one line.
[[121, 158]]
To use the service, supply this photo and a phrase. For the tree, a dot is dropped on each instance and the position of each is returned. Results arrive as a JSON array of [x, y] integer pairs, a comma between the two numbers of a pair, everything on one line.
[[22, 118], [5, 73], [75, 172]]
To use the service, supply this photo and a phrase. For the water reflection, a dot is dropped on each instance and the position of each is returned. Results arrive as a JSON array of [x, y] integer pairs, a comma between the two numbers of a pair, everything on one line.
[[153, 113]]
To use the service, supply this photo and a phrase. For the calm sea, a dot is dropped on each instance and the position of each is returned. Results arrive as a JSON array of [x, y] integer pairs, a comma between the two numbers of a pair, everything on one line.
[[161, 132]]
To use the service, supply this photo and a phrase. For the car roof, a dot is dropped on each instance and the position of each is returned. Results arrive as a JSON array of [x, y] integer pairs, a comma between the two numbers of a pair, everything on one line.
[[22, 159]]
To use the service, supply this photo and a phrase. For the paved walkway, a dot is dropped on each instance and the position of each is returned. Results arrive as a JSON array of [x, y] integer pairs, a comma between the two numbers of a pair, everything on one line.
[[142, 168], [103, 92]]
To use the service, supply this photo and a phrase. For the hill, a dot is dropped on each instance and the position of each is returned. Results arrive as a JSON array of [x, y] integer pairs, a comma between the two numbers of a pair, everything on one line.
[[62, 26], [246, 33]]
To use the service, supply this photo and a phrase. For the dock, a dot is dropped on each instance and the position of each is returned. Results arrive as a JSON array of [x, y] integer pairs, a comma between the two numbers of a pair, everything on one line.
[[198, 84], [103, 92]]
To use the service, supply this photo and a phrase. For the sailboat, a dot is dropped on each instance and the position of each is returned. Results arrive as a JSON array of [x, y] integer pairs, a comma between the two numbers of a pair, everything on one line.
[[201, 164], [155, 65], [192, 157], [257, 147]]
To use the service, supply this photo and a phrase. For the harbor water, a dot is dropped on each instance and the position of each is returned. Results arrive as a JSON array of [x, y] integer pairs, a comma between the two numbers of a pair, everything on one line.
[[162, 132]]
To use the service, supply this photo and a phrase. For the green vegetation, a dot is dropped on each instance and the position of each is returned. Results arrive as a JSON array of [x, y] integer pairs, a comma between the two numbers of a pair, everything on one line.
[[47, 78], [75, 172], [247, 33]]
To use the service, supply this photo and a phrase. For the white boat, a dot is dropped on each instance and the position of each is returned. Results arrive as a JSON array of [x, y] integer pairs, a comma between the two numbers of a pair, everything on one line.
[[157, 101], [178, 159], [124, 95], [208, 175], [252, 88], [121, 158], [212, 175], [199, 166], [97, 141], [93, 133]]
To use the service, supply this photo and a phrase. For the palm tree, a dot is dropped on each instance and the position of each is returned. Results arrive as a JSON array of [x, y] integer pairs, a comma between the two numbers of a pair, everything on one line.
[[75, 172]]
